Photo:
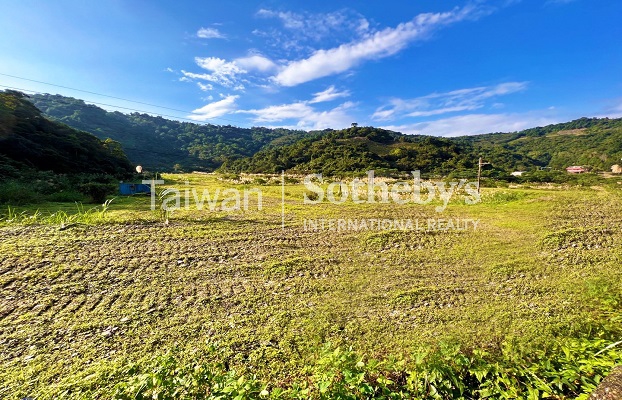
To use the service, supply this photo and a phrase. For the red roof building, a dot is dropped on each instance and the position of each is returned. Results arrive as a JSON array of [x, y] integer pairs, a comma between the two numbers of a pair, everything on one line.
[[575, 169]]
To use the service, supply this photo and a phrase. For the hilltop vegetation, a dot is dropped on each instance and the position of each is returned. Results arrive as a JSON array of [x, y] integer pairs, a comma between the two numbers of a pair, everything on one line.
[[42, 157], [594, 143], [163, 144], [28, 140], [359, 149], [159, 143]]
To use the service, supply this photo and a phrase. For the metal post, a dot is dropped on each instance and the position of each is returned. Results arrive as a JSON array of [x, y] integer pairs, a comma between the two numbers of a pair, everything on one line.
[[479, 173], [480, 163]]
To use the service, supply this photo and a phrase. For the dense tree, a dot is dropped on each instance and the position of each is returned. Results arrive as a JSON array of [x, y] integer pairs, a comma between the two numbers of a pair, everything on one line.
[[28, 140], [159, 143]]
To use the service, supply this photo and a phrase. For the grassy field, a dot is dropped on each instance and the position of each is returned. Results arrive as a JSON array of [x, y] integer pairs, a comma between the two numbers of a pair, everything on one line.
[[92, 300]]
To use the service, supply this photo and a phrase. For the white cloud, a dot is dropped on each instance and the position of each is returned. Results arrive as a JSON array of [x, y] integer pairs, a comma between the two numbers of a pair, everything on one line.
[[256, 62], [363, 25], [205, 86], [373, 46], [210, 33], [223, 72], [215, 109], [281, 112], [472, 124], [439, 111], [229, 73], [613, 111], [290, 20], [329, 94], [304, 116], [441, 103], [336, 118], [315, 27], [218, 65]]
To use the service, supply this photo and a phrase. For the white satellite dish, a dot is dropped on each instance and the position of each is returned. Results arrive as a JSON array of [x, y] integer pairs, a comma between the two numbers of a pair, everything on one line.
[[139, 169]]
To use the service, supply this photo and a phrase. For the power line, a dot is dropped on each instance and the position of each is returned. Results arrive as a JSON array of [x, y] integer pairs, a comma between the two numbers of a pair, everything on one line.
[[95, 93], [109, 96], [125, 108], [122, 108]]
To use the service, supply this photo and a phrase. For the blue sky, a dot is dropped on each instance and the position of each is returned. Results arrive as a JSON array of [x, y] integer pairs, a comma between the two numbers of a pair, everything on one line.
[[435, 67]]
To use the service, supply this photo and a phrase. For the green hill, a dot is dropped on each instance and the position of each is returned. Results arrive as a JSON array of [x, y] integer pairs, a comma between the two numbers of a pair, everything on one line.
[[359, 149], [44, 160], [594, 143], [159, 143], [29, 141], [591, 142], [163, 144]]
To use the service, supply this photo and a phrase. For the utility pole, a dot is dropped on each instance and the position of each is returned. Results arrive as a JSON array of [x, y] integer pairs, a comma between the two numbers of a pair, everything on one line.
[[479, 172]]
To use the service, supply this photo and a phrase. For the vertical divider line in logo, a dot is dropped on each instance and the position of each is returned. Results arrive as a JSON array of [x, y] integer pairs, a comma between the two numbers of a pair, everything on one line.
[[283, 199]]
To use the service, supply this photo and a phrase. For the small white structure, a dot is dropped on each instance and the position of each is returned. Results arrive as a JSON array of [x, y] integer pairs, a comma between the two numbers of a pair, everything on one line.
[[616, 169], [518, 173]]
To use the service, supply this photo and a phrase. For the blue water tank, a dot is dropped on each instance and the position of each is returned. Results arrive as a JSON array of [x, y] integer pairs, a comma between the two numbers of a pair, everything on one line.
[[128, 189]]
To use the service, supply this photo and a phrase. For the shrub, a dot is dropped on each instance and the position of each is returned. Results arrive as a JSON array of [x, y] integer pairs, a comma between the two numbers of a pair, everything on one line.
[[313, 196], [18, 193], [67, 196], [569, 368], [97, 191]]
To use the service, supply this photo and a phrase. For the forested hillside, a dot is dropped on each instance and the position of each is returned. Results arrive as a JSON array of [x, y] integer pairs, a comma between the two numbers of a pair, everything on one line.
[[44, 160], [359, 149], [29, 141], [593, 143], [159, 143]]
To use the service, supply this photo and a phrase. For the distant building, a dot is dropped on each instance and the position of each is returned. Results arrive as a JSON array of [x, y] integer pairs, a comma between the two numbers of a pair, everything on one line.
[[575, 169], [518, 173], [616, 169]]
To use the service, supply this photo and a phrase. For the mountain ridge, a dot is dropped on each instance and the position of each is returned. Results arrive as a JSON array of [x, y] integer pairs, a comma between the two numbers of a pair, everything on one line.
[[165, 144], [29, 141]]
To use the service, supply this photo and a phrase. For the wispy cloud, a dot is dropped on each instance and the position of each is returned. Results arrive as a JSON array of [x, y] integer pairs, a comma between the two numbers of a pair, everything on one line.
[[472, 124], [318, 26], [614, 110], [442, 103], [215, 109], [552, 2], [328, 95], [281, 112], [256, 62], [221, 71], [230, 74], [205, 86], [374, 46], [210, 33], [303, 116]]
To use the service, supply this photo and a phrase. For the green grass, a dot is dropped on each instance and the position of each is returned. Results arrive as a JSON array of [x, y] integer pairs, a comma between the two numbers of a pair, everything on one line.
[[122, 303], [62, 218]]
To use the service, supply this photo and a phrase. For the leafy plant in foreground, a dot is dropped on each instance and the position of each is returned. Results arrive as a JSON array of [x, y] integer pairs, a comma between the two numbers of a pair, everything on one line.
[[570, 368]]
